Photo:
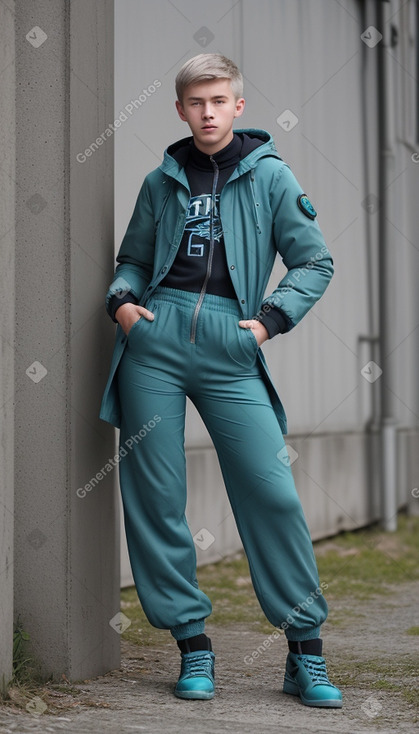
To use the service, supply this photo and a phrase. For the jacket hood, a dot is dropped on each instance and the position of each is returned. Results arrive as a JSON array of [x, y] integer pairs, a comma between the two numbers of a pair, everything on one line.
[[260, 145]]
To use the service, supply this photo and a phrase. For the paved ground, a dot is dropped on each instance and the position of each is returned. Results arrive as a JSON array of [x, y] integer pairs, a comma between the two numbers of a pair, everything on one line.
[[138, 697]]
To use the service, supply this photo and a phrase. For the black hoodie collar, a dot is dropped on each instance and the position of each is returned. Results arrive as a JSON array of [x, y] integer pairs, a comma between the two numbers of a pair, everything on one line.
[[241, 145], [224, 158]]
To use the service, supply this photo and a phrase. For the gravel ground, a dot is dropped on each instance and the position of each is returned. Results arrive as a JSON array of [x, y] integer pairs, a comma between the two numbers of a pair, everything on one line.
[[138, 697]]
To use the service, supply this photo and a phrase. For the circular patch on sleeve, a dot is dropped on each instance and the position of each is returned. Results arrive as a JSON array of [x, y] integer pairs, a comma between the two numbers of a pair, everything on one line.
[[306, 206]]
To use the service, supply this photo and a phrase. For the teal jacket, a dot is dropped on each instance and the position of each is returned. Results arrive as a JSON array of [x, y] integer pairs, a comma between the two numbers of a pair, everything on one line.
[[263, 212]]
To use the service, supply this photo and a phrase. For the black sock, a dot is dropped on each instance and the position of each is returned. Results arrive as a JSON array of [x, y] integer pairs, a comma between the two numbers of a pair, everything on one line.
[[193, 644], [306, 647]]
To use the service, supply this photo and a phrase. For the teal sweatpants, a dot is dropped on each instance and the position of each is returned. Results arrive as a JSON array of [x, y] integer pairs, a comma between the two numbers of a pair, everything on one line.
[[212, 360]]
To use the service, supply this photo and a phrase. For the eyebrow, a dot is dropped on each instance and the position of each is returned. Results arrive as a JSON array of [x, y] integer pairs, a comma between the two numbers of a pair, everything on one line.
[[199, 99]]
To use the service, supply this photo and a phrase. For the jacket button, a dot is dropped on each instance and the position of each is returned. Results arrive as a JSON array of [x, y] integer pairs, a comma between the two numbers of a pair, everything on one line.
[[232, 267], [163, 270], [242, 301]]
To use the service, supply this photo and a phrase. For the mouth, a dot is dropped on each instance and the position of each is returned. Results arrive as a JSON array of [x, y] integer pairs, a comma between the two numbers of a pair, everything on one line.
[[209, 127]]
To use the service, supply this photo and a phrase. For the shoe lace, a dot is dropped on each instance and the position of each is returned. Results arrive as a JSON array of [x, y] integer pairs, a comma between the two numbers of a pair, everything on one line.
[[198, 665], [316, 668]]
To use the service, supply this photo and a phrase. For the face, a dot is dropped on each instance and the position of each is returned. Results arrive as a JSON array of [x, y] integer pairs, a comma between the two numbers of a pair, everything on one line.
[[209, 108]]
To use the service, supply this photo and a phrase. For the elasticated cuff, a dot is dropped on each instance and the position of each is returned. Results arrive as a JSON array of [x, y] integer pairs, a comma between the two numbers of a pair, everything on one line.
[[274, 322], [300, 635], [116, 302], [182, 631]]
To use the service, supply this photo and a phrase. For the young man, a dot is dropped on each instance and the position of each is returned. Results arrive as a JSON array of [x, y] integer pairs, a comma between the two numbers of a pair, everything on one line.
[[188, 295]]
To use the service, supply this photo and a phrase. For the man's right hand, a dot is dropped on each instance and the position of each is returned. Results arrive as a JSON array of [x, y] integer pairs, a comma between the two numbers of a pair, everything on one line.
[[127, 314]]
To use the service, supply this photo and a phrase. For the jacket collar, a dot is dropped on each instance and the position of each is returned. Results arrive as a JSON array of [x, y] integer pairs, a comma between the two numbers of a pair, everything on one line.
[[176, 154]]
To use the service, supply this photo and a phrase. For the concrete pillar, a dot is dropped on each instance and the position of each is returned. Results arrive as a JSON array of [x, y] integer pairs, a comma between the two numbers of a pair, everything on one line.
[[7, 236], [66, 545]]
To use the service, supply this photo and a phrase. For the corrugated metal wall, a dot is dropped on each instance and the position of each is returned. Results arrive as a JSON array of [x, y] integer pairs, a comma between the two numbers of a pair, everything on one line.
[[307, 57]]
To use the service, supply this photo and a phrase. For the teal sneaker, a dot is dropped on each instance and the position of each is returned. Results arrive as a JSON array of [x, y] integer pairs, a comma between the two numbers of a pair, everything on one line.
[[306, 677], [196, 678]]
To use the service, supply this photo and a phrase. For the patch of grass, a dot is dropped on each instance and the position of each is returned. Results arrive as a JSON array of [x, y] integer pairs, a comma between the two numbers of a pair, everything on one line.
[[339, 618], [385, 685], [28, 690], [49, 699], [20, 659], [410, 692], [229, 586], [376, 672], [412, 631], [411, 695], [367, 562], [400, 677], [23, 690], [26, 675]]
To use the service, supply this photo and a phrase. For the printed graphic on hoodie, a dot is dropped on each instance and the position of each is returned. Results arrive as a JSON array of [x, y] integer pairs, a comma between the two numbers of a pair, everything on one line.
[[197, 226]]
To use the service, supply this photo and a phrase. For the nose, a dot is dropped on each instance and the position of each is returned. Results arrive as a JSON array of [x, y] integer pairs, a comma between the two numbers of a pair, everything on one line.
[[207, 111]]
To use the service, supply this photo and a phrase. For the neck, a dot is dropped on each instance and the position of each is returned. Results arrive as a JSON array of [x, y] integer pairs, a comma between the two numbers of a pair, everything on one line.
[[212, 148]]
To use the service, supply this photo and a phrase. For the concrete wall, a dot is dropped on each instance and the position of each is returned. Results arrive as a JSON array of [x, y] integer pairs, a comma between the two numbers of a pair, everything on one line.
[[66, 546], [7, 240]]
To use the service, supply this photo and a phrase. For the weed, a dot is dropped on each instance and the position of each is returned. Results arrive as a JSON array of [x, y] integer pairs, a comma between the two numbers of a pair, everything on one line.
[[20, 661]]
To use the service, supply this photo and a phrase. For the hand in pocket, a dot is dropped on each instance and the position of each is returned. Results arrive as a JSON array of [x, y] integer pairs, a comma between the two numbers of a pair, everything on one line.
[[127, 314]]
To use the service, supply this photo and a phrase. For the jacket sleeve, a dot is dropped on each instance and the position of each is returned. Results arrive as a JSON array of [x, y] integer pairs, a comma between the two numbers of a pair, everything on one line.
[[300, 242], [136, 254]]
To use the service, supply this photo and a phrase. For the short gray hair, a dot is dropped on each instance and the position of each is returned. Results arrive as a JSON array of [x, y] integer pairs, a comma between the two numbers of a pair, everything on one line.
[[205, 67]]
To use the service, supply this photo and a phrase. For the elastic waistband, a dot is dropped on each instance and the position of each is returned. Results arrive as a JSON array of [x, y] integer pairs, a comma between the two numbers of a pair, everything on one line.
[[187, 299]]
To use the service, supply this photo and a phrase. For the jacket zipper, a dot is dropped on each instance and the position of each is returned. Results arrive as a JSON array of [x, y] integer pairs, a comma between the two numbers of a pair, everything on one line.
[[255, 204], [210, 253]]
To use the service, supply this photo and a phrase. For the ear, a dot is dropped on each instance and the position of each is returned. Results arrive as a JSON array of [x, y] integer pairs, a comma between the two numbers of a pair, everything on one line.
[[239, 107], [180, 111]]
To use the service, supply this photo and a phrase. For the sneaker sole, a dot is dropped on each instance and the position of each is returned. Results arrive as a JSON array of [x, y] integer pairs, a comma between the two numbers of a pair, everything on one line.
[[195, 695], [292, 689]]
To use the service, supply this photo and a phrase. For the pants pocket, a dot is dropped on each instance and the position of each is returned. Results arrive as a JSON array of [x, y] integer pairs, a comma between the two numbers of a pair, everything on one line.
[[252, 338], [142, 321], [242, 346]]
